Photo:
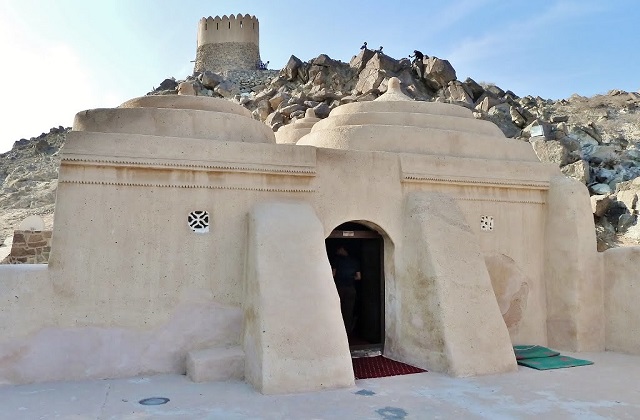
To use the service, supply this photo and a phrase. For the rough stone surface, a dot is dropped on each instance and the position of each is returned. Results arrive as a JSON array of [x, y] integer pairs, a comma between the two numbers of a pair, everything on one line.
[[550, 151], [219, 58], [577, 170], [600, 204], [210, 79], [439, 71], [29, 247]]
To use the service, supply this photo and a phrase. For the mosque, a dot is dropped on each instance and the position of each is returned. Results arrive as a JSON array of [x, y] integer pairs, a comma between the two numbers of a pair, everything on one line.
[[189, 238]]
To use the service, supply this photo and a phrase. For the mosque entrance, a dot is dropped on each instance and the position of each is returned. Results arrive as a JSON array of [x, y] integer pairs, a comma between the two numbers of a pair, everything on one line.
[[354, 246]]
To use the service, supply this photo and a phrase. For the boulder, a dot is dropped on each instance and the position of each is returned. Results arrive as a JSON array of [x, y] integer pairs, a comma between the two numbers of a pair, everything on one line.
[[627, 192], [289, 109], [625, 221], [550, 151], [274, 119], [457, 93], [499, 115], [495, 90], [210, 79], [290, 70], [600, 189], [323, 60], [322, 110], [278, 98], [227, 89], [516, 117], [262, 110], [577, 170], [599, 154], [439, 71], [384, 62], [358, 62], [168, 84], [369, 79], [582, 136], [187, 88], [600, 204], [474, 89], [486, 101]]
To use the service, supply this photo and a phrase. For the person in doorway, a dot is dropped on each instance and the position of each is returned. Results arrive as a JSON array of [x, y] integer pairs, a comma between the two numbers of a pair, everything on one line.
[[346, 271]]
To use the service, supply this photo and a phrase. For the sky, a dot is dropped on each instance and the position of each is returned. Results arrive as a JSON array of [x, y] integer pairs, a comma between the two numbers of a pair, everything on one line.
[[58, 57]]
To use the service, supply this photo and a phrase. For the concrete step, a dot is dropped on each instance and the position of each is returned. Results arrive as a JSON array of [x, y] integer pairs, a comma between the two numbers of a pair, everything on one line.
[[216, 364]]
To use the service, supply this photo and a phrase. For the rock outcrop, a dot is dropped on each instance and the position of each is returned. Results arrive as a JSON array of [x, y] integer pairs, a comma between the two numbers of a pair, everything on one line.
[[594, 140], [28, 180]]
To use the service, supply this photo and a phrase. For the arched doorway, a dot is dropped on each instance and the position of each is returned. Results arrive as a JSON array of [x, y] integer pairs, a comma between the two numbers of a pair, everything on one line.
[[366, 246]]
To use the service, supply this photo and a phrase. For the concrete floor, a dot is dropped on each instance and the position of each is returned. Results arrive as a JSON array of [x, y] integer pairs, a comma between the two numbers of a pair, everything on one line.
[[608, 389]]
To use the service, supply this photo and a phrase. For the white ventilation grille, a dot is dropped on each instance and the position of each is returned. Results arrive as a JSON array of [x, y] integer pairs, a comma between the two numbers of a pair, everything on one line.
[[199, 221], [486, 223]]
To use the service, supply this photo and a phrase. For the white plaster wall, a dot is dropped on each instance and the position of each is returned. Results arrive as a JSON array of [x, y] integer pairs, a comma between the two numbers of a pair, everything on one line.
[[294, 338], [621, 297], [124, 258], [573, 270], [26, 299]]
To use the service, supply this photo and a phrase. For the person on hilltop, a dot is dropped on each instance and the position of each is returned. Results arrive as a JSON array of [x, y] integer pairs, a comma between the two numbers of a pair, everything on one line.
[[418, 62], [417, 56], [379, 50], [364, 46]]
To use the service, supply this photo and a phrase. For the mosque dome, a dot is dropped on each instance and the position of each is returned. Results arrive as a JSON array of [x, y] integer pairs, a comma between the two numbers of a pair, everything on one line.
[[396, 123], [290, 134], [184, 116]]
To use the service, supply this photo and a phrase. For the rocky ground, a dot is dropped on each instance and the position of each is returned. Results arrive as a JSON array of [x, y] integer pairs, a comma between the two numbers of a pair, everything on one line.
[[595, 140]]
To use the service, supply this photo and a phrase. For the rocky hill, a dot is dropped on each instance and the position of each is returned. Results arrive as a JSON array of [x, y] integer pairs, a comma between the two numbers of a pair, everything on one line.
[[595, 140], [28, 179]]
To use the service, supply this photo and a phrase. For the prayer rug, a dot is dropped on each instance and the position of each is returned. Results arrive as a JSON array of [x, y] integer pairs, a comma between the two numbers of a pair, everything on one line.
[[533, 352], [554, 362], [380, 366]]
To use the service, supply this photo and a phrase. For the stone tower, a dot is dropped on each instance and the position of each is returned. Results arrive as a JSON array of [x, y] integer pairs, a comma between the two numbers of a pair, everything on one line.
[[228, 43]]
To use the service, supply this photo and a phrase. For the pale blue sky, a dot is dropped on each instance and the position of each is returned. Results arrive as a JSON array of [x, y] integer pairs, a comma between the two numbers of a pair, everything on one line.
[[63, 56]]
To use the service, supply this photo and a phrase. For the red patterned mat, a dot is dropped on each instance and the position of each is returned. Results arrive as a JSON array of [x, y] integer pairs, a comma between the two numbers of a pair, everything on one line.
[[380, 366]]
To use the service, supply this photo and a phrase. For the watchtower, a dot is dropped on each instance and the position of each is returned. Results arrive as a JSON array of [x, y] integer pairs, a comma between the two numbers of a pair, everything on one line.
[[228, 43]]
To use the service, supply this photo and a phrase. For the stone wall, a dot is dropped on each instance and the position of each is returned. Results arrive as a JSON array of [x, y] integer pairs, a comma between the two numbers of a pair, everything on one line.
[[30, 247], [219, 58], [248, 80]]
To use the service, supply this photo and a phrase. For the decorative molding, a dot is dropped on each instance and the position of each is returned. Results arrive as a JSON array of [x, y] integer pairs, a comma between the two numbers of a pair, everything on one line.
[[191, 165], [501, 200], [211, 187], [482, 182]]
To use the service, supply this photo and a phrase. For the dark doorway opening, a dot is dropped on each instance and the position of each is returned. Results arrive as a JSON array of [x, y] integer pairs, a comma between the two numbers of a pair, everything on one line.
[[365, 245]]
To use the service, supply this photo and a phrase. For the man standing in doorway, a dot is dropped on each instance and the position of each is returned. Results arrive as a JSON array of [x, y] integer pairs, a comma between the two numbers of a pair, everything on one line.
[[346, 271]]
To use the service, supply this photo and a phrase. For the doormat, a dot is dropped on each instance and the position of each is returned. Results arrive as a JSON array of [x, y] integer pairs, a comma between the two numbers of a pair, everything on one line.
[[532, 352], [554, 362], [542, 358], [380, 366]]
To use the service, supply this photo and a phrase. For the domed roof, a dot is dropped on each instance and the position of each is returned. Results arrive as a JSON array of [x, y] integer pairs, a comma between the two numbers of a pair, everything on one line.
[[177, 116], [290, 134], [396, 123]]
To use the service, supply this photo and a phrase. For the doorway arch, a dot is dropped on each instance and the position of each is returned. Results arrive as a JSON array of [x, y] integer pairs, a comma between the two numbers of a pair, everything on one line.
[[366, 245]]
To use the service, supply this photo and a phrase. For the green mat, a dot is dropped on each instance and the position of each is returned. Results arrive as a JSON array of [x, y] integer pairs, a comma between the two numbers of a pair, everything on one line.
[[533, 352], [554, 362]]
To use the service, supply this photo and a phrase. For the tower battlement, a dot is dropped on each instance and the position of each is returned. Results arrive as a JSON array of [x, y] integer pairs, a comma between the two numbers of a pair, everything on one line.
[[228, 43]]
